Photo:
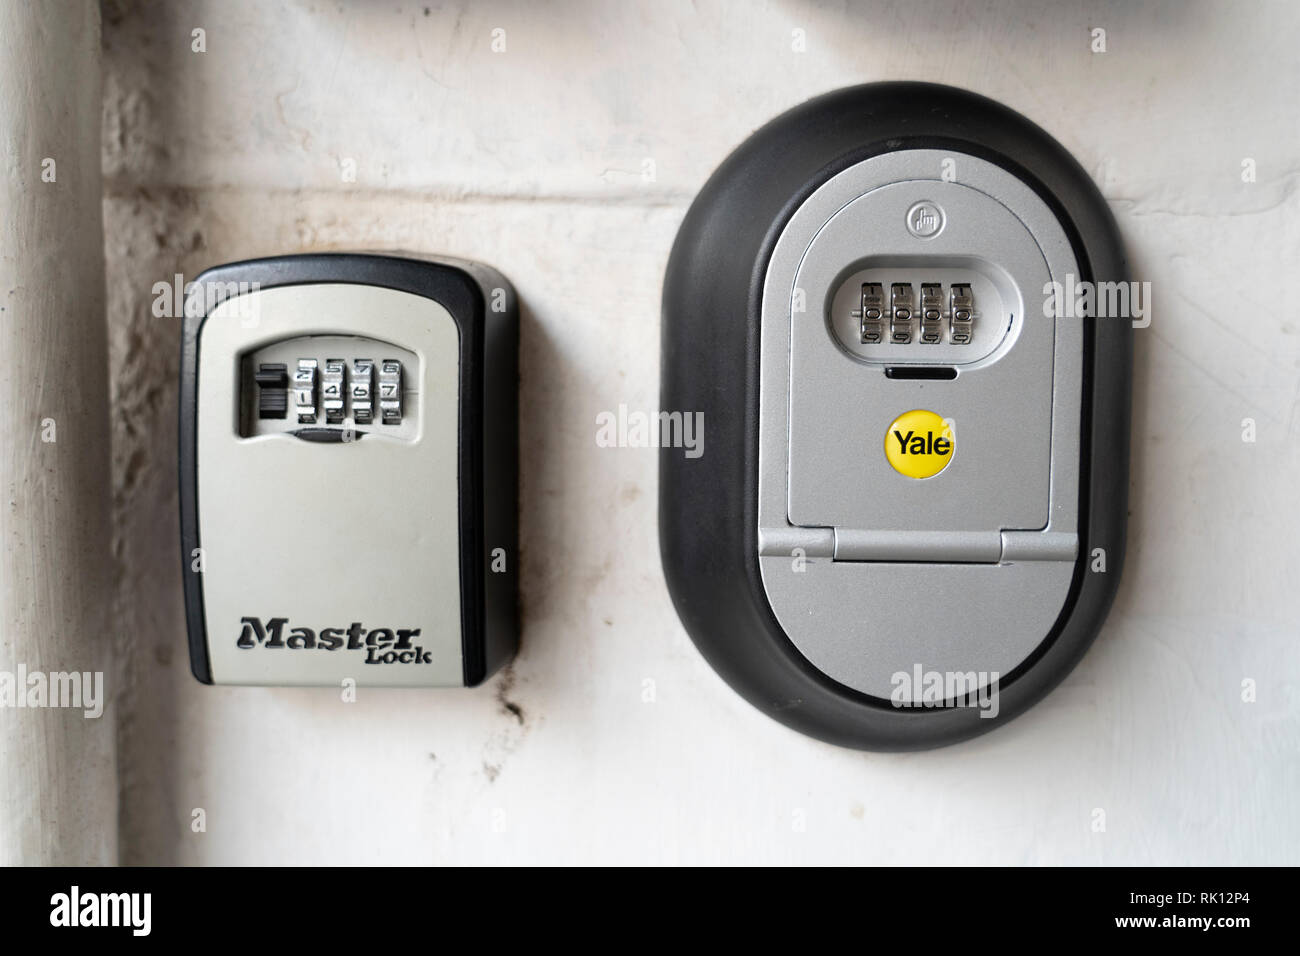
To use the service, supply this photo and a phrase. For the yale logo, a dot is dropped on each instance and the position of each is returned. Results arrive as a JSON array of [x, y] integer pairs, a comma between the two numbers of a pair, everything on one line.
[[919, 444]]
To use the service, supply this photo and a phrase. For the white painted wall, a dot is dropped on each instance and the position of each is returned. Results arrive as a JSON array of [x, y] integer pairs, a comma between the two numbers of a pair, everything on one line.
[[532, 159], [58, 784]]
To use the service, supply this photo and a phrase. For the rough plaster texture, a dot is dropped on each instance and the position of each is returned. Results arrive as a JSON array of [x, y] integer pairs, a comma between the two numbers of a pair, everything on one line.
[[58, 784], [535, 159]]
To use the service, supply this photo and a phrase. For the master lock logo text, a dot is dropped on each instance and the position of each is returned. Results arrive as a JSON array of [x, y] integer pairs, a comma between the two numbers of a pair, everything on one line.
[[382, 645]]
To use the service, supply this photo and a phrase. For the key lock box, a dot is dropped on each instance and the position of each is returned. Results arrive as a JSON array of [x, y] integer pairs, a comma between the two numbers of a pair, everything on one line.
[[908, 521], [348, 438]]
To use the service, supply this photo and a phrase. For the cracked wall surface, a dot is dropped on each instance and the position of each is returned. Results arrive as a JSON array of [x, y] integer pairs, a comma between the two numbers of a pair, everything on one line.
[[567, 161]]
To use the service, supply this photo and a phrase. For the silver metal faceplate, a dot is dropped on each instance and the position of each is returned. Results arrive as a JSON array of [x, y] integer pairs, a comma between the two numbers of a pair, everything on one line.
[[327, 535], [872, 573]]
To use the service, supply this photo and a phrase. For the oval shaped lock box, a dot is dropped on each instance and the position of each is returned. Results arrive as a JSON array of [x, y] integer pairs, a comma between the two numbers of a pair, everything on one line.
[[903, 312], [348, 443]]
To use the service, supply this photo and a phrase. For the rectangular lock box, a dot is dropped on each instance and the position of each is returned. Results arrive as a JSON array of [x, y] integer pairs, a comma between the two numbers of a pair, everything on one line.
[[348, 447]]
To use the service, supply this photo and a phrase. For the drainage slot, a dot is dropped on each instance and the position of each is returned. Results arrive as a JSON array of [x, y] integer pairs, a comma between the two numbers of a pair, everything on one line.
[[940, 372]]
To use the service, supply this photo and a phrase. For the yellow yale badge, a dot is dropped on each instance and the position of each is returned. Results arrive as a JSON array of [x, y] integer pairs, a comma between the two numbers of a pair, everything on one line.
[[920, 444]]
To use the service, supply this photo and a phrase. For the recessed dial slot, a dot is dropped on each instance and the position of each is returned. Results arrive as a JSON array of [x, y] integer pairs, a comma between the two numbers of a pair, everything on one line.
[[310, 384], [892, 311]]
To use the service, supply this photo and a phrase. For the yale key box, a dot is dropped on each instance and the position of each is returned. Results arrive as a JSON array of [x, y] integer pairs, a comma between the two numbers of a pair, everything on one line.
[[909, 522], [348, 442]]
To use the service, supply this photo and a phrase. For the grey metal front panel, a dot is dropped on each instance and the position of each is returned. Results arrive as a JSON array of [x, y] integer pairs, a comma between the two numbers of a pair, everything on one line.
[[841, 405], [328, 535], [870, 572]]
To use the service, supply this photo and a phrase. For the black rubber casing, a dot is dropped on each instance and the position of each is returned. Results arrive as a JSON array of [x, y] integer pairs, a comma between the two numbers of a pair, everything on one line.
[[708, 506], [487, 451]]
